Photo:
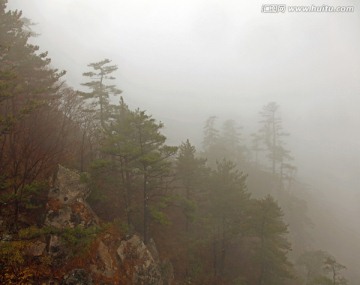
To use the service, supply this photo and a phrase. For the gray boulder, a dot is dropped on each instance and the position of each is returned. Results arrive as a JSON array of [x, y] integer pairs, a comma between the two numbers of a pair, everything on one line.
[[145, 269]]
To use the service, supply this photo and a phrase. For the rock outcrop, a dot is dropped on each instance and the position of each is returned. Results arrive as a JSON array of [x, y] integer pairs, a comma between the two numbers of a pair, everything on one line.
[[66, 207], [77, 277], [144, 270], [111, 258]]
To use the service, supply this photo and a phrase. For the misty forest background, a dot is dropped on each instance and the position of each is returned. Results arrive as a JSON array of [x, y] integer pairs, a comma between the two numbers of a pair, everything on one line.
[[230, 210]]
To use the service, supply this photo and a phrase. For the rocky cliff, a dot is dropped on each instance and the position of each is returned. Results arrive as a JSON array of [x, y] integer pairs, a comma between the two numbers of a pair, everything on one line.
[[78, 249]]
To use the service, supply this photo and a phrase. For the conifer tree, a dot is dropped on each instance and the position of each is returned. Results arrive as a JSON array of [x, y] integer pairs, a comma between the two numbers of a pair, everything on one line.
[[101, 92], [272, 135], [271, 245], [211, 142], [190, 170], [154, 164], [229, 203], [29, 143]]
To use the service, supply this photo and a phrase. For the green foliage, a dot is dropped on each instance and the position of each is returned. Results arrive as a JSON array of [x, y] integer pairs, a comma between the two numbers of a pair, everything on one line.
[[28, 91], [19, 268], [159, 216], [100, 164], [229, 201], [78, 239], [190, 169], [85, 177], [34, 195], [101, 180], [122, 226], [100, 92], [229, 197], [189, 209], [13, 267], [271, 246], [12, 252], [16, 80]]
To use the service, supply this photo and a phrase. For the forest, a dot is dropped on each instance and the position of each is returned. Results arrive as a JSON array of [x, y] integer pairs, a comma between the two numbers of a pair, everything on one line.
[[226, 212]]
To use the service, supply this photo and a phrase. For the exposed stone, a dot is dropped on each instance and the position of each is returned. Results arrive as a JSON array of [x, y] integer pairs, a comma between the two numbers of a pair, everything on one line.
[[145, 270], [66, 205], [55, 246], [133, 262], [167, 272], [105, 266], [106, 259], [60, 218], [153, 250], [67, 187], [6, 237], [36, 248], [77, 277]]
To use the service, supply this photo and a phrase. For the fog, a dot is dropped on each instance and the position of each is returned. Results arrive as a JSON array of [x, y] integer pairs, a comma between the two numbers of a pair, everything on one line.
[[186, 60]]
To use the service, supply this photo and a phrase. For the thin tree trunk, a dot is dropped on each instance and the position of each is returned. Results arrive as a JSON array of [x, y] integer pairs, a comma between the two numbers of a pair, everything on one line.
[[215, 257], [223, 249], [82, 152], [146, 213], [187, 222]]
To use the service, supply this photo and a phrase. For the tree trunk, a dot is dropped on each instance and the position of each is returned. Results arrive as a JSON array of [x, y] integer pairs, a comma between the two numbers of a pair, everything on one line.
[[146, 212], [223, 249]]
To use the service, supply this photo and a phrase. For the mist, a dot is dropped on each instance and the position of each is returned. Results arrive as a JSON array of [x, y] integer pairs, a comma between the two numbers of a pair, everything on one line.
[[184, 61]]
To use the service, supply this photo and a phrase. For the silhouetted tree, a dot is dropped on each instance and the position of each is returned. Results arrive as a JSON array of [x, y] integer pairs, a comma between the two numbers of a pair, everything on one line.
[[154, 164], [229, 203], [100, 91], [29, 142], [272, 135], [270, 243], [313, 263], [190, 170], [334, 268]]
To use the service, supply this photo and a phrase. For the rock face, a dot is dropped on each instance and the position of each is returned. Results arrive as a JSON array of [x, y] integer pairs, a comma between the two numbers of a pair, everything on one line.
[[145, 269], [112, 259], [66, 206], [36, 248], [77, 277]]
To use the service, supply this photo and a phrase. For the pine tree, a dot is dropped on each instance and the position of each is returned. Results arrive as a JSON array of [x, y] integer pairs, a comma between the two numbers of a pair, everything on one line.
[[229, 203], [117, 163], [313, 263], [270, 243], [190, 170], [211, 134], [232, 143], [334, 268], [272, 135], [29, 142], [154, 165], [100, 91], [211, 142]]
